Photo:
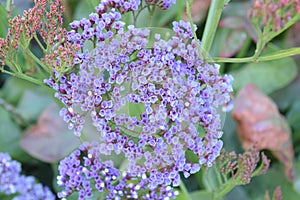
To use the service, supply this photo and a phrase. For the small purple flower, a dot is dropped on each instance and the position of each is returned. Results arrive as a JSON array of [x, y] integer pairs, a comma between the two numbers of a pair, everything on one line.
[[75, 25], [84, 167], [164, 4], [24, 187]]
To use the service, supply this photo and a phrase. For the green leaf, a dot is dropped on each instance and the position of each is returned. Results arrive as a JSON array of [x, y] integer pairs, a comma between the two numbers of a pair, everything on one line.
[[236, 8], [296, 184], [202, 194], [136, 109], [267, 76], [4, 21], [33, 103], [210, 180], [6, 197], [14, 88], [180, 196], [10, 135], [220, 38], [293, 115], [84, 8], [274, 177], [237, 193], [285, 97], [233, 43], [240, 23]]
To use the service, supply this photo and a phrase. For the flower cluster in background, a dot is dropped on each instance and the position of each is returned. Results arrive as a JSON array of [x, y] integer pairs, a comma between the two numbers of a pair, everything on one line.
[[22, 187], [274, 14], [151, 101], [25, 28]]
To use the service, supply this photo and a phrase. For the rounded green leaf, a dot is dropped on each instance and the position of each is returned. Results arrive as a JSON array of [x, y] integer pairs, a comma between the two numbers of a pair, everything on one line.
[[14, 88], [202, 194], [10, 135], [293, 115], [32, 104], [267, 76]]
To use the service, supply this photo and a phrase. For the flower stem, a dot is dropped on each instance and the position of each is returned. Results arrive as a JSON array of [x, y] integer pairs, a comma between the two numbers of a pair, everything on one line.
[[213, 18], [151, 13], [13, 111], [9, 7], [272, 56], [39, 43], [184, 191], [24, 77], [227, 188], [202, 53], [295, 19], [37, 60]]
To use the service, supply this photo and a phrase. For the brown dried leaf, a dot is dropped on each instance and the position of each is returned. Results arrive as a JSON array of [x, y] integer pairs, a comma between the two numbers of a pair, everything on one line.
[[49, 140], [260, 124]]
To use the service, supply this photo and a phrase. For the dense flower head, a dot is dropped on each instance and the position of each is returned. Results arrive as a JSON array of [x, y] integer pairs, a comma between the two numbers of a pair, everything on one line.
[[84, 171], [151, 100], [23, 187]]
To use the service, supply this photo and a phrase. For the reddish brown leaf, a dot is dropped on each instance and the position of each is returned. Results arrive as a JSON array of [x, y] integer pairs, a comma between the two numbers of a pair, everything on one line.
[[260, 124], [49, 140]]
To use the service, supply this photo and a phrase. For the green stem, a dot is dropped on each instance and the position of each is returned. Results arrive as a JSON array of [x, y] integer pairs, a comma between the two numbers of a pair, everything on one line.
[[273, 56], [13, 111], [180, 7], [280, 54], [231, 60], [24, 77], [128, 18], [266, 36], [9, 6], [295, 19], [184, 191], [151, 13], [258, 170], [12, 66], [227, 188], [213, 18], [202, 53], [37, 60], [242, 53], [217, 172], [39, 43], [208, 184]]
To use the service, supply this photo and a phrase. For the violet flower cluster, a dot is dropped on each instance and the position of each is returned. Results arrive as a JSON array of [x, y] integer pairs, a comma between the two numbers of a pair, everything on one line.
[[150, 102], [84, 167], [22, 187]]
